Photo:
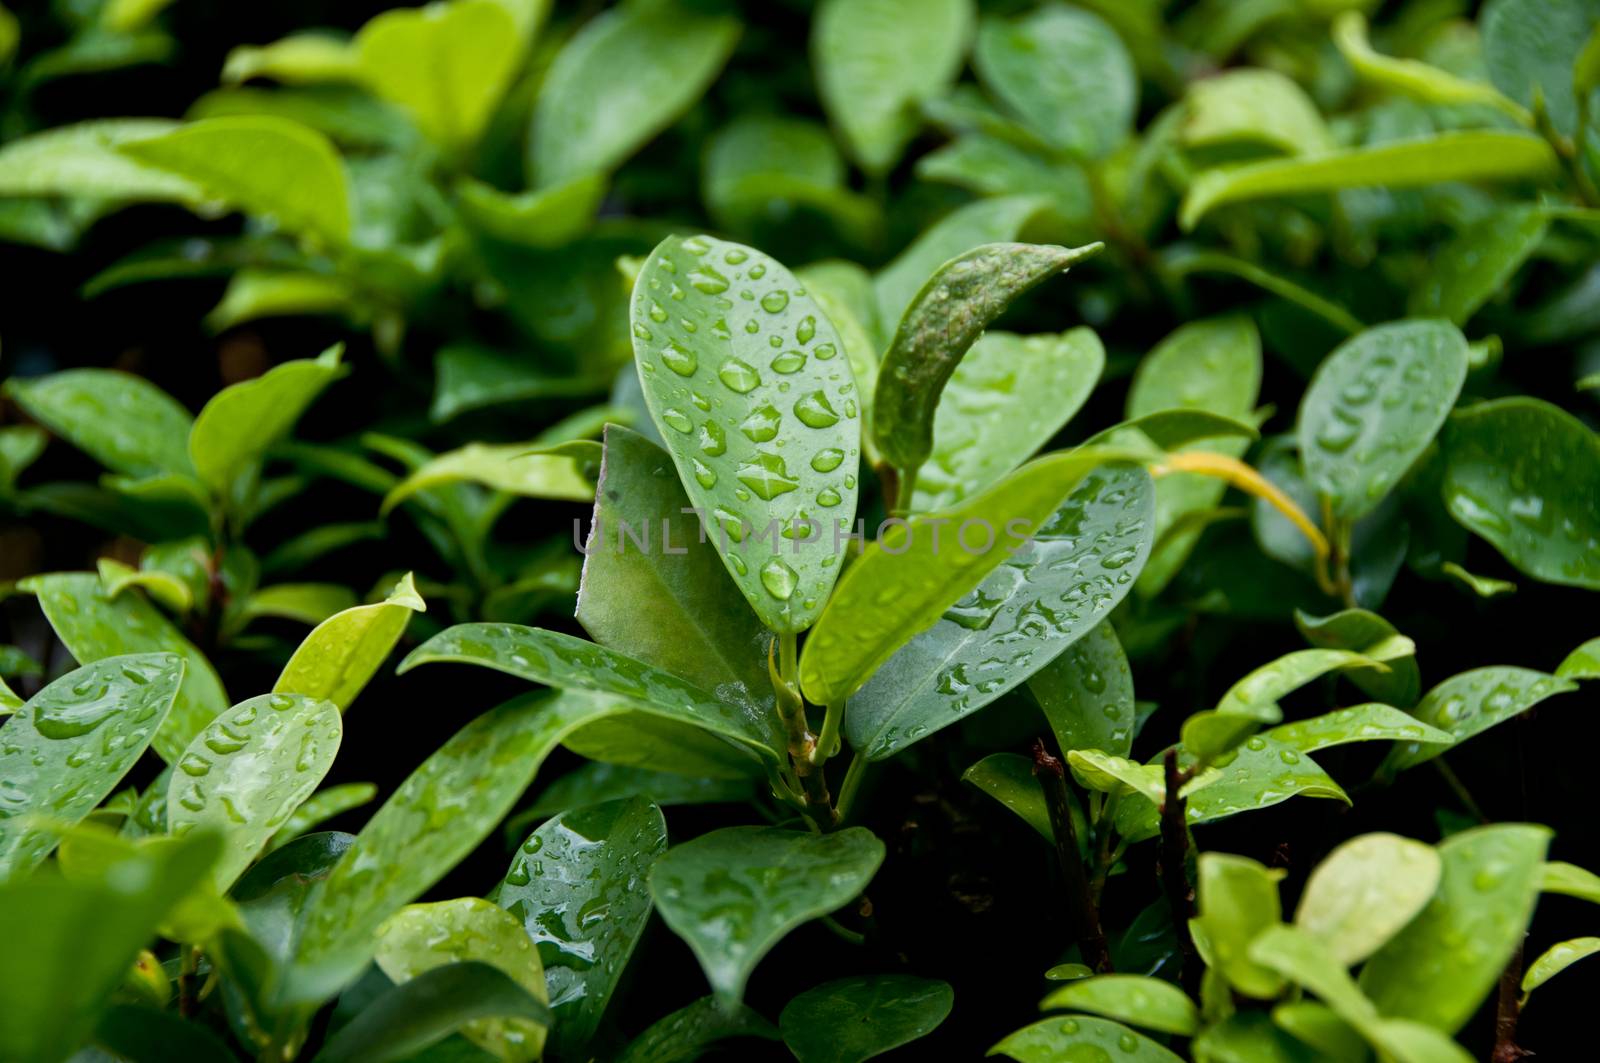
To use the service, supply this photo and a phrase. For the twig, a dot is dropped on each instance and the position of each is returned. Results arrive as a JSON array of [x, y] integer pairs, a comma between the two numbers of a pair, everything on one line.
[[1175, 871], [1081, 909], [1508, 1010]]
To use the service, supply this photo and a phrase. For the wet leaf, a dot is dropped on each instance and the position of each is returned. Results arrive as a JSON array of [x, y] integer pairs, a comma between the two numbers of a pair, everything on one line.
[[735, 360], [1555, 959], [321, 807], [1439, 968], [1581, 663], [1007, 398], [247, 772], [1525, 475], [1372, 722], [1009, 779], [423, 937], [1260, 108], [509, 467], [1053, 1040], [65, 750], [83, 160], [1374, 406], [298, 59], [1399, 683], [855, 1019], [544, 218], [122, 421], [1064, 73], [945, 318], [1365, 892], [577, 888], [83, 934], [344, 651], [1087, 694], [572, 664], [684, 1035], [93, 626], [446, 65], [876, 61], [261, 165], [1472, 702], [904, 583], [1131, 998], [734, 893], [1306, 962], [1473, 155], [407, 1019], [1478, 263], [1237, 900], [593, 782], [662, 595], [241, 423], [1530, 48], [623, 78], [1036, 604]]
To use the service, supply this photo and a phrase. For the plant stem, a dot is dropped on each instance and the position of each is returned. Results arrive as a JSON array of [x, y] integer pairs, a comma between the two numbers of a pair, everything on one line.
[[791, 709], [827, 743], [1081, 910], [1459, 788], [1175, 871], [1508, 1009], [186, 971], [852, 783], [905, 490]]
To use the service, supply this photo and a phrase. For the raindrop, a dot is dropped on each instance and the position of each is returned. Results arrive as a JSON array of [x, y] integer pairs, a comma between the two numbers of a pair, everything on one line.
[[789, 362], [774, 301], [814, 411], [739, 376], [827, 460], [779, 579], [678, 420], [679, 358], [762, 423]]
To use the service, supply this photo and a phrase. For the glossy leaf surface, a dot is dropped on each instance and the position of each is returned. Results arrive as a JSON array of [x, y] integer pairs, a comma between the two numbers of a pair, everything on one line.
[[1009, 779], [343, 652], [1130, 998], [855, 1019], [1087, 694], [734, 893], [1472, 702], [1052, 1040], [124, 422], [735, 358], [1365, 891], [1237, 900], [685, 1035], [1555, 959]]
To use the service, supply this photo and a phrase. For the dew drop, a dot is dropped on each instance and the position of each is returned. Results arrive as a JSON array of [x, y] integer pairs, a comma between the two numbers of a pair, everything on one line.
[[679, 358], [779, 579], [789, 362], [827, 460], [806, 330], [815, 411], [762, 423], [713, 440], [739, 376], [678, 419], [774, 302]]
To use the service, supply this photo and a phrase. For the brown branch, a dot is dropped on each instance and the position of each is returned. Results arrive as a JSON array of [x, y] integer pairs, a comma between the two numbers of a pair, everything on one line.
[[1175, 871], [1081, 910], [1508, 1010]]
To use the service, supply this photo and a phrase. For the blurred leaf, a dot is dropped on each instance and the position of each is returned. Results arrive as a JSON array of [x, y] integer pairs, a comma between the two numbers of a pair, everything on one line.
[[1581, 663], [299, 59], [1365, 892], [1237, 900], [546, 218], [321, 807], [1050, 1040], [1555, 959], [1410, 77], [505, 467], [855, 1019], [684, 1035], [1261, 108], [122, 421], [84, 160], [1479, 263], [1530, 48], [1141, 1001]]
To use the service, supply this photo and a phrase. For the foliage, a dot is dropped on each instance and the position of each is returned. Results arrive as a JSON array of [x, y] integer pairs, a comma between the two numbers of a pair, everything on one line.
[[931, 487]]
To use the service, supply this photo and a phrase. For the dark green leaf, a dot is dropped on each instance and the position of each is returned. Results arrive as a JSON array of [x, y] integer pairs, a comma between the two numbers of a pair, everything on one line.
[[1087, 694], [855, 1019], [1530, 48], [683, 1036], [1009, 779], [1080, 1037]]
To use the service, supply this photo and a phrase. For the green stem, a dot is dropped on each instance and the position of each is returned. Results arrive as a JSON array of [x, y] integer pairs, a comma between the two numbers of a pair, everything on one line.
[[1459, 788], [905, 491], [827, 743], [852, 782]]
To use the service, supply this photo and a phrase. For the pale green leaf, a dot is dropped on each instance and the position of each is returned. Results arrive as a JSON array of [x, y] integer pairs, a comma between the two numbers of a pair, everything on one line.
[[1130, 998], [1474, 701], [1081, 1037], [1555, 959], [1365, 891], [343, 652], [1262, 108], [83, 160]]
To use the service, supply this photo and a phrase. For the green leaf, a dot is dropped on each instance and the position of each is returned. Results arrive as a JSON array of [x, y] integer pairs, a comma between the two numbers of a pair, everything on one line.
[[261, 165], [706, 315], [246, 773], [410, 1017], [423, 937], [991, 166], [657, 743], [69, 746], [1472, 702], [83, 160], [1238, 900], [572, 664], [437, 816], [509, 467], [1530, 48], [144, 1035], [171, 593], [1482, 586], [254, 294], [683, 1036], [1374, 406], [1250, 1037], [949, 313], [343, 652], [1371, 722], [1009, 779], [321, 807], [1087, 694], [672, 608], [761, 169], [1555, 959], [1360, 630], [81, 936], [1174, 429], [1110, 774], [308, 603], [1007, 397], [1479, 263], [1581, 663], [445, 64], [93, 626], [1473, 155], [877, 61], [544, 218], [470, 377], [1260, 108], [1439, 968], [575, 888], [1081, 1037], [855, 1019], [1410, 77], [593, 782], [1037, 603], [1184, 260], [1132, 998], [298, 59], [986, 221], [734, 893], [1065, 73], [122, 421], [1525, 475], [1365, 892], [1306, 962], [1570, 880], [1211, 366], [242, 422], [904, 583], [623, 78]]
